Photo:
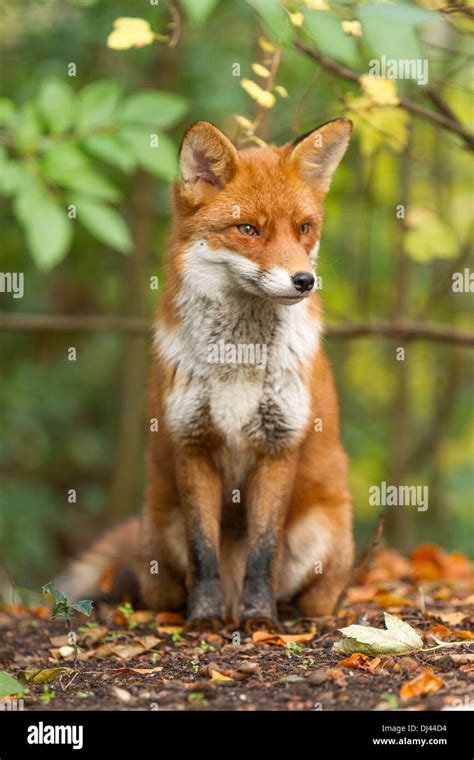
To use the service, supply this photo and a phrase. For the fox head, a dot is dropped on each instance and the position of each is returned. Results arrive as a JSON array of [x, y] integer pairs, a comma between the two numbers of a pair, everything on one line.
[[251, 219]]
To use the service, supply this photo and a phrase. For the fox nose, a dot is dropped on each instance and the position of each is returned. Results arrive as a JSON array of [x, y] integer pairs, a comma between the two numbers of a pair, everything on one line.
[[303, 281]]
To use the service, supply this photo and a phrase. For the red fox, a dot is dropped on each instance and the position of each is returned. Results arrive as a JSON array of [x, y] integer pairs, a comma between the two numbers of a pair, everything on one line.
[[247, 502]]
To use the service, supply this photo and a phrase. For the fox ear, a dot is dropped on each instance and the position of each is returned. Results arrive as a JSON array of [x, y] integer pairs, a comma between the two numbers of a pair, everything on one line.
[[317, 154], [207, 156]]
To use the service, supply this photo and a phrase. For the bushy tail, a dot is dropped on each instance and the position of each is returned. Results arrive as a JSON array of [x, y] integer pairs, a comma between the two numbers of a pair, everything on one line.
[[106, 571]]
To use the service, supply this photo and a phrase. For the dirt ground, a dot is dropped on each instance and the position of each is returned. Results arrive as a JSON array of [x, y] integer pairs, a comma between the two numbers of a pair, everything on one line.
[[138, 660]]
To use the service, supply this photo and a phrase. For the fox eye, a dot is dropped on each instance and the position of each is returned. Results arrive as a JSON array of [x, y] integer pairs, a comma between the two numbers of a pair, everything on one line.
[[248, 229], [305, 228]]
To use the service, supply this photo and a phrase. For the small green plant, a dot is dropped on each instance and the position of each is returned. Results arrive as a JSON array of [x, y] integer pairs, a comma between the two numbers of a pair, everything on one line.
[[195, 666], [205, 647], [47, 694], [198, 696], [127, 611], [176, 636], [309, 661], [63, 609], [292, 648], [154, 658], [85, 694]]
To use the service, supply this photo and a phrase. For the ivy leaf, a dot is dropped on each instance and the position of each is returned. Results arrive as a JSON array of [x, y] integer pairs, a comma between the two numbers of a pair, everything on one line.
[[398, 638], [84, 606], [158, 109], [103, 222], [51, 589]]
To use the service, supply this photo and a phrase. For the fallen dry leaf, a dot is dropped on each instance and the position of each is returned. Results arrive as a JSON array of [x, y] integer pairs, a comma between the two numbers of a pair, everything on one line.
[[282, 639], [142, 671], [388, 600], [440, 631], [356, 660], [431, 563], [426, 683], [169, 629], [453, 618], [42, 675], [219, 677], [169, 618]]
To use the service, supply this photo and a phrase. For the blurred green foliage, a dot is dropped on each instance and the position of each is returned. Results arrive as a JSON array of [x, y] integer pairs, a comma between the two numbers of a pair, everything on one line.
[[73, 150]]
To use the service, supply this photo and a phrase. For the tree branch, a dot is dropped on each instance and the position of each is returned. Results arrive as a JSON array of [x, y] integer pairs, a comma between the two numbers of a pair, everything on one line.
[[136, 326], [438, 119]]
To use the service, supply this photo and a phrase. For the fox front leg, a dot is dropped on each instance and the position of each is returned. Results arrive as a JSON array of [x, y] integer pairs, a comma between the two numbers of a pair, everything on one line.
[[268, 496], [200, 493]]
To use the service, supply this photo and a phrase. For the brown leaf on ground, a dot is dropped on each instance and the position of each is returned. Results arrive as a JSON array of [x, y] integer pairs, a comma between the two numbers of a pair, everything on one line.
[[282, 639], [388, 600], [426, 683], [440, 631], [142, 671], [356, 660], [431, 563], [388, 565], [169, 618], [453, 618]]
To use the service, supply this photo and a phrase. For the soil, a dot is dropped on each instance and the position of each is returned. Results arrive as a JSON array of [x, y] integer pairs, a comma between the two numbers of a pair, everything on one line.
[[232, 670]]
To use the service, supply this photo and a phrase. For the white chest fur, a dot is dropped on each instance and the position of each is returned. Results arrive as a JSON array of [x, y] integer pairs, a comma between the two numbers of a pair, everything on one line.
[[239, 362]]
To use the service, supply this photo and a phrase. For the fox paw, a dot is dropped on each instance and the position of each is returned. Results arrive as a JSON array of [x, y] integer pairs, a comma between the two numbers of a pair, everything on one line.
[[258, 623], [204, 624]]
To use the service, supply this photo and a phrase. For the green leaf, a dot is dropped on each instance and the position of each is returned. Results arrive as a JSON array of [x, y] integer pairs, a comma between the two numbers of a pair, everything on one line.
[[47, 227], [56, 104], [198, 11], [104, 223], [390, 30], [113, 149], [97, 104], [13, 177], [63, 159], [43, 675], [8, 685], [158, 109], [51, 589], [161, 160], [327, 30], [398, 638], [7, 112], [28, 129], [85, 605], [430, 238], [275, 19]]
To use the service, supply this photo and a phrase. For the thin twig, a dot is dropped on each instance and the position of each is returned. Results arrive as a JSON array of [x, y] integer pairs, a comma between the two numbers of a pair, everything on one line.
[[438, 119]]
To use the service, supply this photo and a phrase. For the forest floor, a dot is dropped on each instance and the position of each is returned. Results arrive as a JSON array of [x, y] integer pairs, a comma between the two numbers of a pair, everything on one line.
[[138, 660]]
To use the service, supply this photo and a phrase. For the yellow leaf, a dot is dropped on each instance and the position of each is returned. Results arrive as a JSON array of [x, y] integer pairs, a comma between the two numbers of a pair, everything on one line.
[[130, 32], [266, 45], [243, 122], [378, 126], [297, 19], [317, 5], [382, 92], [260, 71], [263, 97], [282, 91], [427, 238], [354, 28], [219, 677]]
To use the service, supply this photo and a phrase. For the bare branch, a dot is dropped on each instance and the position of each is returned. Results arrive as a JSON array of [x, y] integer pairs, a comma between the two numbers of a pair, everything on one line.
[[438, 119], [136, 326]]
